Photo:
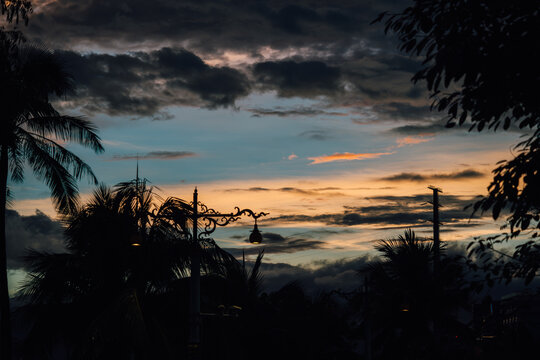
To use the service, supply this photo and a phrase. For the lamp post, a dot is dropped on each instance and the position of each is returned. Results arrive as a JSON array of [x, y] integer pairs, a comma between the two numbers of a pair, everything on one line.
[[209, 219]]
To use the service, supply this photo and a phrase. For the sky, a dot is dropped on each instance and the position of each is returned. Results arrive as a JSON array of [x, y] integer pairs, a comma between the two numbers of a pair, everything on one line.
[[300, 109]]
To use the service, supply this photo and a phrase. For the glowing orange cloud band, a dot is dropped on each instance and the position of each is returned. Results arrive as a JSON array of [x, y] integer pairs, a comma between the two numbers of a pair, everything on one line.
[[347, 156], [411, 140]]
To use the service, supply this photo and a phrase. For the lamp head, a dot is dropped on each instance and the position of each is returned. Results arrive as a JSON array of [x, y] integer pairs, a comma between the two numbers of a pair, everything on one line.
[[255, 237]]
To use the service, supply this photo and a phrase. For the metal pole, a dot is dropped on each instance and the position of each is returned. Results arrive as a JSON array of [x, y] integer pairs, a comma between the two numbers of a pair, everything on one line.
[[436, 259], [195, 284], [209, 215], [436, 239]]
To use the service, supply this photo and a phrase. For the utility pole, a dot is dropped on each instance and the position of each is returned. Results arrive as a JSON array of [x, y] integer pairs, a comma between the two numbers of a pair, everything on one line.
[[436, 224], [436, 259]]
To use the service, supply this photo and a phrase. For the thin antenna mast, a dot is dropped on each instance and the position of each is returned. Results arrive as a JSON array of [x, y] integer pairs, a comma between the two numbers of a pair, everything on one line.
[[137, 174]]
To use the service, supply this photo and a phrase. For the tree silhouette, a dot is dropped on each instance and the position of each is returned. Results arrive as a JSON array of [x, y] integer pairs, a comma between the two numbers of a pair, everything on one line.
[[481, 66], [126, 250], [32, 133], [16, 10], [406, 299]]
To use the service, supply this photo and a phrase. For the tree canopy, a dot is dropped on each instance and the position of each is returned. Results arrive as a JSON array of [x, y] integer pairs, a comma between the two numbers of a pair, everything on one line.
[[32, 133], [17, 10], [480, 65]]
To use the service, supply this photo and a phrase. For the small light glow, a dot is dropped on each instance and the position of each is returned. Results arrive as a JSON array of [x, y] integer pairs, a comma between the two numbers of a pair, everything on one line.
[[135, 244]]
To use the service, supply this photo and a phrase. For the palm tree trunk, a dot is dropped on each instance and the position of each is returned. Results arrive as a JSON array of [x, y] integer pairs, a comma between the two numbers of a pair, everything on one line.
[[5, 314]]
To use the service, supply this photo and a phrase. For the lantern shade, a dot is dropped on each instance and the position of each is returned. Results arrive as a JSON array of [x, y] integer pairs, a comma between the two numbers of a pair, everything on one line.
[[255, 237]]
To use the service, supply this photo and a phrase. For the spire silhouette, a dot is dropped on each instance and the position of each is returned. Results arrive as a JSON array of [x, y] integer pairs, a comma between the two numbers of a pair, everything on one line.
[[137, 174]]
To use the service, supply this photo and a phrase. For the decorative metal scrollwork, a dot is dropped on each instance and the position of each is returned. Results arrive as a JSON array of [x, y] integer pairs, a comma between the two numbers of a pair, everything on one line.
[[211, 219]]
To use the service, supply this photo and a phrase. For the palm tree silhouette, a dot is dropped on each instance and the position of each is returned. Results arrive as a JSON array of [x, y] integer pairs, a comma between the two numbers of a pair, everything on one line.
[[127, 249], [406, 298], [32, 133]]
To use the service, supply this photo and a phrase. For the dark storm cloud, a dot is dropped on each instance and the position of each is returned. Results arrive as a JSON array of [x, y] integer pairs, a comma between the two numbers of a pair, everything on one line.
[[143, 83], [355, 80], [38, 232], [290, 78], [157, 155], [398, 211], [333, 55], [211, 25], [457, 175]]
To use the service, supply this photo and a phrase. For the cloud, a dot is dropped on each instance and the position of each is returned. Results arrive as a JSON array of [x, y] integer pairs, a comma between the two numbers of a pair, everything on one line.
[[328, 191], [344, 275], [290, 78], [207, 25], [142, 84], [37, 231], [411, 140], [422, 129], [318, 276], [382, 81], [438, 125], [457, 175], [406, 111], [277, 244], [157, 155], [320, 135], [145, 83], [134, 61], [300, 111], [394, 211], [345, 157], [292, 157]]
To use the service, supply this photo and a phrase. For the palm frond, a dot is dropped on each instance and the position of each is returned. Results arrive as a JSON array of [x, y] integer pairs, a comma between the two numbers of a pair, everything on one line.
[[52, 278], [175, 211], [16, 164], [69, 160], [66, 128], [44, 69], [9, 197], [256, 277], [64, 190]]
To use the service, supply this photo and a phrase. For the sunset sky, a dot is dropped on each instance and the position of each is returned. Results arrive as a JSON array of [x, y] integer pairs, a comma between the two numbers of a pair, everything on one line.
[[300, 109]]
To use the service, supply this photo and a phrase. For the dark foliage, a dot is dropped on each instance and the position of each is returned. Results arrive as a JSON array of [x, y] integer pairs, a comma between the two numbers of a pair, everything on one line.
[[481, 66], [32, 132], [411, 311], [127, 261], [16, 10]]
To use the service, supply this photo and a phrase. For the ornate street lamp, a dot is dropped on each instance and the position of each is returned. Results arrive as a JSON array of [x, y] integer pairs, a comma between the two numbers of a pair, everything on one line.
[[210, 220], [256, 236]]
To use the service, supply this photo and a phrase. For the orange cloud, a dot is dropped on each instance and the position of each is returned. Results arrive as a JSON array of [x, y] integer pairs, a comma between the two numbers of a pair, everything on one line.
[[411, 140], [345, 157], [292, 157]]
